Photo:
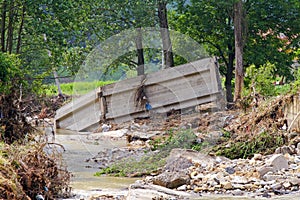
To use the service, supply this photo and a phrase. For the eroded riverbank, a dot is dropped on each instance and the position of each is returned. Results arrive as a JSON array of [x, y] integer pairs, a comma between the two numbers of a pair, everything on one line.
[[80, 147]]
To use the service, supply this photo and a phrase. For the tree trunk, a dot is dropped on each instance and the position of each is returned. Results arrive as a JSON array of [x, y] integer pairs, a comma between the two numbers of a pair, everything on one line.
[[140, 52], [57, 83], [239, 72], [18, 49], [165, 34], [229, 75], [10, 27], [3, 24]]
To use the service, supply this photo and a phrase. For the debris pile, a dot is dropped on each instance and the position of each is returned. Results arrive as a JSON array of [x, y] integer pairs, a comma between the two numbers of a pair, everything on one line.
[[267, 116], [28, 171]]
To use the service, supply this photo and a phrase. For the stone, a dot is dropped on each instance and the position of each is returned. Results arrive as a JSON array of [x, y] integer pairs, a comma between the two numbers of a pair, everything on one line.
[[116, 134], [198, 189], [171, 179], [177, 163], [267, 187], [297, 158], [199, 176], [226, 185], [286, 185], [194, 174], [260, 190], [149, 191], [230, 170], [264, 169], [278, 162], [271, 177], [193, 156], [276, 186], [294, 181], [238, 186], [295, 188], [257, 156], [218, 159], [266, 195], [237, 192], [240, 180], [294, 166], [182, 188], [298, 146]]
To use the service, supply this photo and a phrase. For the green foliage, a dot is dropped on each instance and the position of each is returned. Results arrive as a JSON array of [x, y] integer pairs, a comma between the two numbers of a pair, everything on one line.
[[183, 139], [114, 169], [201, 146], [126, 167], [296, 85], [78, 88], [211, 23], [263, 143], [11, 75], [262, 79]]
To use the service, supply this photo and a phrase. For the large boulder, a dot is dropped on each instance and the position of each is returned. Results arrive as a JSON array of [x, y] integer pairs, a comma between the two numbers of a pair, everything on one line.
[[171, 179]]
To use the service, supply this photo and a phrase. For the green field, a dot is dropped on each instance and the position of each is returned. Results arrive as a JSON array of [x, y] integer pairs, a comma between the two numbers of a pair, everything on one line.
[[77, 88]]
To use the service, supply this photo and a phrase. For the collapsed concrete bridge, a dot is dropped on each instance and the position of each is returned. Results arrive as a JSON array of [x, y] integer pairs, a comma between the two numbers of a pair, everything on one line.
[[176, 88]]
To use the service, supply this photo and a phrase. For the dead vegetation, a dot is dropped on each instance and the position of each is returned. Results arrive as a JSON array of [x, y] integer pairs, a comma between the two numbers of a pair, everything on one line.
[[13, 121], [28, 171], [25, 169], [261, 128]]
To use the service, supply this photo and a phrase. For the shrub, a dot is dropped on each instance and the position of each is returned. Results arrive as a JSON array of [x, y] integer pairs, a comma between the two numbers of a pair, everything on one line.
[[261, 79]]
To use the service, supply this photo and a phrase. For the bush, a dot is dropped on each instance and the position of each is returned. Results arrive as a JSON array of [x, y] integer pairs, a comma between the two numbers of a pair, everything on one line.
[[262, 79], [12, 89]]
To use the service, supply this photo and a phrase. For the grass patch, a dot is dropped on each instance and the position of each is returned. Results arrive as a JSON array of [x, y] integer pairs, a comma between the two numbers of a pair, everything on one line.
[[78, 88], [152, 161], [263, 143]]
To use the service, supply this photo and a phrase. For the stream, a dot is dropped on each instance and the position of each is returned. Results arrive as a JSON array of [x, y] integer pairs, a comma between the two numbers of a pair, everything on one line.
[[84, 183]]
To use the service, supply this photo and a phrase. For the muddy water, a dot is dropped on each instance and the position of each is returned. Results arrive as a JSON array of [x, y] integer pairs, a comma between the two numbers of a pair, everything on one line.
[[78, 148]]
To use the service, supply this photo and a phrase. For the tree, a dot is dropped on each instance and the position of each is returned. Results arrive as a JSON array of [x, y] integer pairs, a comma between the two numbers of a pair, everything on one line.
[[239, 45], [165, 35], [212, 23], [111, 17]]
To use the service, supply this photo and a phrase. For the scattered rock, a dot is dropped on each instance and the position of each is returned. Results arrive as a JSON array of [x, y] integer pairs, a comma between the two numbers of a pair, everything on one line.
[[257, 156], [286, 185], [230, 170], [285, 150], [171, 180], [266, 195], [278, 162], [182, 188], [175, 164], [264, 169], [226, 185]]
